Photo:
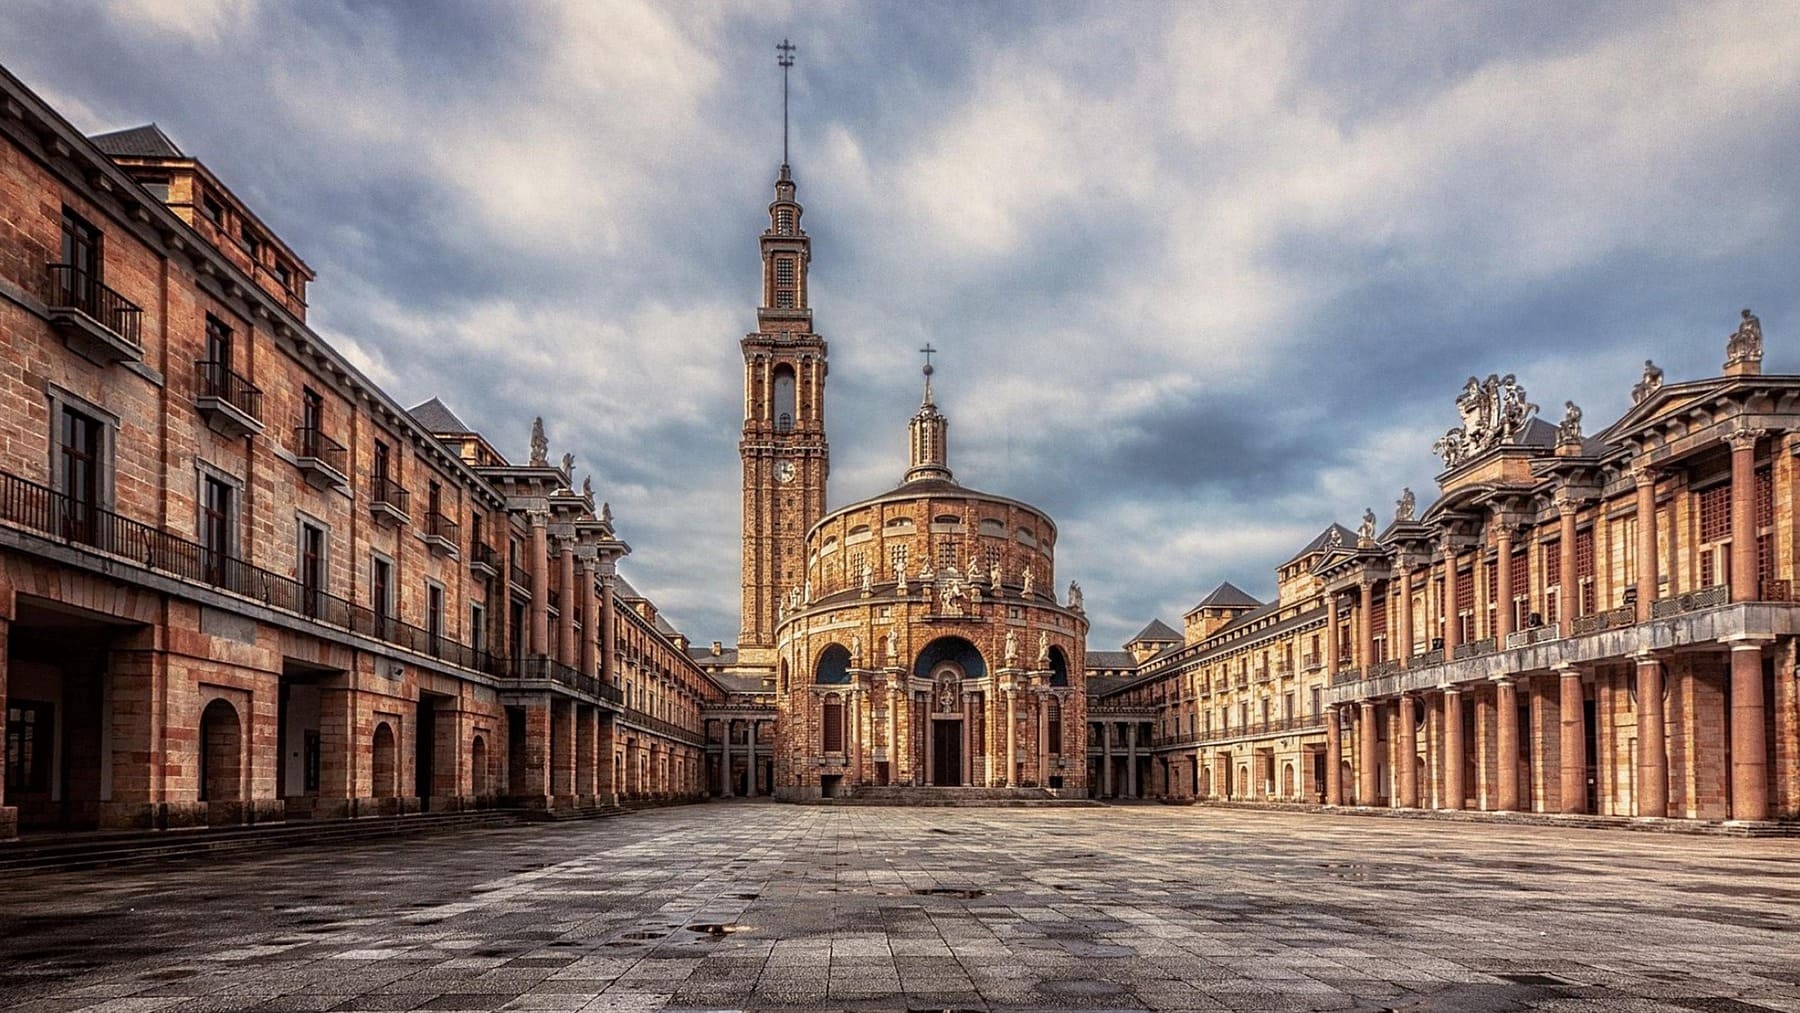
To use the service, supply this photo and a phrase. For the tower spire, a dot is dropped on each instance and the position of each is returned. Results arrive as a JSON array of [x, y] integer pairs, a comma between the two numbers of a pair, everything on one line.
[[785, 58], [930, 434]]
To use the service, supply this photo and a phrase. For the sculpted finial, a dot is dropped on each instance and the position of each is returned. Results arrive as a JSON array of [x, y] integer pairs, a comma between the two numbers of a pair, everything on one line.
[[1746, 343], [1651, 382], [1568, 433], [540, 445]]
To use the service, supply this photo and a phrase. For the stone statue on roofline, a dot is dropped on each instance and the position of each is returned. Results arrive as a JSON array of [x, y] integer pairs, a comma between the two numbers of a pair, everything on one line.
[[1746, 343], [1012, 648], [1074, 597], [1365, 535], [568, 464], [1651, 382], [587, 486], [540, 444], [1568, 433], [1404, 506]]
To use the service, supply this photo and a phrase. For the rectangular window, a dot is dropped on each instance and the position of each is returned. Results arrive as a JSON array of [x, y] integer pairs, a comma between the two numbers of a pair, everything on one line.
[[784, 283], [218, 342], [312, 420], [946, 555], [285, 275], [380, 466], [381, 589], [1715, 513], [81, 475], [312, 569], [157, 185], [249, 240], [897, 558], [1317, 709], [30, 732], [212, 210], [478, 627], [434, 613], [217, 523], [81, 254]]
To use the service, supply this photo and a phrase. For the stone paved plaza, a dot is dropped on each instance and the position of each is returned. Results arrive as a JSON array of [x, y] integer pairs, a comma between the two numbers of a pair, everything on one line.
[[763, 906]]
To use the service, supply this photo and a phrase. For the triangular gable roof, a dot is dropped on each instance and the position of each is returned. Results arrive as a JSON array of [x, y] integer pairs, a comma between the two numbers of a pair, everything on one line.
[[437, 417], [1345, 537], [147, 141], [1227, 595], [1155, 632]]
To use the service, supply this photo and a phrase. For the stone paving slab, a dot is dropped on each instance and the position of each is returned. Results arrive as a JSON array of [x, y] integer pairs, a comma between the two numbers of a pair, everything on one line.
[[741, 906]]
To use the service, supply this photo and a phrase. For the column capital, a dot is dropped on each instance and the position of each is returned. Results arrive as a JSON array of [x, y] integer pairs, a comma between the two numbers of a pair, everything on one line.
[[1643, 473], [1748, 641], [1506, 680], [1567, 669], [1744, 437], [1449, 690]]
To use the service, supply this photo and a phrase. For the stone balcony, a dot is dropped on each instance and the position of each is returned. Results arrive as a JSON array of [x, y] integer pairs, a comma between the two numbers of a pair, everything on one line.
[[1704, 627]]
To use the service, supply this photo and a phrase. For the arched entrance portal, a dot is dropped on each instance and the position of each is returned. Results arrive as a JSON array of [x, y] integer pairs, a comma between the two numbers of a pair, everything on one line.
[[221, 753], [386, 765], [951, 664]]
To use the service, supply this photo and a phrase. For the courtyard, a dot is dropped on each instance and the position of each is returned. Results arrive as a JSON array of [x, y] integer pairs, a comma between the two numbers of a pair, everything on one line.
[[758, 905]]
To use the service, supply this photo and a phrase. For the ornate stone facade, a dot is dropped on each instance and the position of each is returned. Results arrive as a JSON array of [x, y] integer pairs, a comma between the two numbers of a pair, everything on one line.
[[238, 581], [1602, 625]]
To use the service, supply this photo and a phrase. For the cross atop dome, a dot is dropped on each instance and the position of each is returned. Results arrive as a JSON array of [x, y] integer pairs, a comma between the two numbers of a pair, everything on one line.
[[930, 433]]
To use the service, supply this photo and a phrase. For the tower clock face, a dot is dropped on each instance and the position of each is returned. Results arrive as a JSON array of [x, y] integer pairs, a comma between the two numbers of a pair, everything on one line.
[[784, 471]]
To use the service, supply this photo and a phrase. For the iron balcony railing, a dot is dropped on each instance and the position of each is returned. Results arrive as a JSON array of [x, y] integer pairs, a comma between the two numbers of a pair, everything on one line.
[[314, 444], [1346, 675], [47, 512], [439, 526], [73, 288], [1383, 668], [217, 380], [1473, 649], [1534, 635], [1624, 615], [521, 576], [385, 490], [483, 554], [1692, 601]]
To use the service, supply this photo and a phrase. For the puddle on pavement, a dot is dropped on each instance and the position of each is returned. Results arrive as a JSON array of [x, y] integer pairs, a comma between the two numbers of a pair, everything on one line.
[[949, 891], [717, 930]]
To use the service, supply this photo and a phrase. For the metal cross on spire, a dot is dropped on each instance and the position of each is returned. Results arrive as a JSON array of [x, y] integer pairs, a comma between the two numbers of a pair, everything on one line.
[[785, 58], [928, 352]]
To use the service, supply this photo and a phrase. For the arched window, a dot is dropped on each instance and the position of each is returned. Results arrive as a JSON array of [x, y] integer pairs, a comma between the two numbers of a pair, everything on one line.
[[833, 668], [784, 399], [831, 732], [1059, 667]]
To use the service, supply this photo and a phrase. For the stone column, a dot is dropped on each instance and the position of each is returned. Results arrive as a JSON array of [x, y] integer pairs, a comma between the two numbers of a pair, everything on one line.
[[536, 758], [9, 815], [1572, 746], [1646, 549], [1402, 585], [584, 753], [539, 547], [1452, 625], [751, 772], [1131, 773], [590, 619], [1503, 609], [1106, 760], [1454, 791], [725, 763], [1749, 737], [1043, 738], [1365, 627], [609, 631], [1569, 601], [1653, 757], [1368, 781], [562, 751], [1334, 757], [565, 623], [1331, 638], [1743, 515], [969, 711], [1406, 753], [1506, 704], [605, 741], [1008, 773]]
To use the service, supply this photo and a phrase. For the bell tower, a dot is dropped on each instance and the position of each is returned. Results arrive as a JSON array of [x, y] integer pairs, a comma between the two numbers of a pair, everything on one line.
[[785, 456]]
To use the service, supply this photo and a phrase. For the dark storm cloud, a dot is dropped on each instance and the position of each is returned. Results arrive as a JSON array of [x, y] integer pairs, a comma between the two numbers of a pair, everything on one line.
[[1206, 278]]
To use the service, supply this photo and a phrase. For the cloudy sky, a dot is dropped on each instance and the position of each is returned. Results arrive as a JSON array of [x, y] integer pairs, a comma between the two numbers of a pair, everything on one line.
[[1205, 277]]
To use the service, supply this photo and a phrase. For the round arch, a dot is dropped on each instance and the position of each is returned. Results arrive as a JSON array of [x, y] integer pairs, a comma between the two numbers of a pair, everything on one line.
[[221, 753], [833, 666], [385, 767], [1059, 667], [1287, 780], [953, 650]]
